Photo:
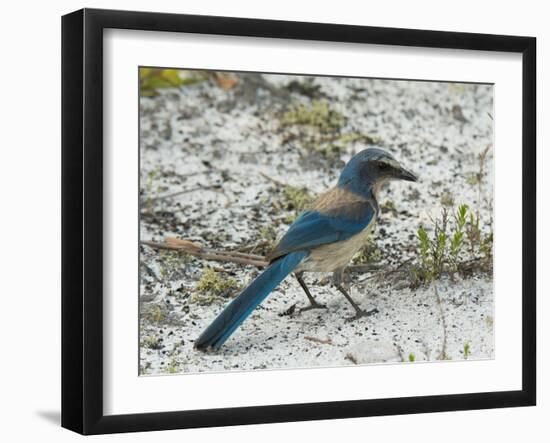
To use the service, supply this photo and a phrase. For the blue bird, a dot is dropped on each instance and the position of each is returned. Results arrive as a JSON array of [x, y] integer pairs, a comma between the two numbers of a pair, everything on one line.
[[324, 238]]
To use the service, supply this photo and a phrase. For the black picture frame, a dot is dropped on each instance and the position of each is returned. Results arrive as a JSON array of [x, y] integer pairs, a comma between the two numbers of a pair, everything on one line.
[[82, 219]]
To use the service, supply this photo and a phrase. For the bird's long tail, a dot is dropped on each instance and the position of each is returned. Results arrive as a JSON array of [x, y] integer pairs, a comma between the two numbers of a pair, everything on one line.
[[240, 308]]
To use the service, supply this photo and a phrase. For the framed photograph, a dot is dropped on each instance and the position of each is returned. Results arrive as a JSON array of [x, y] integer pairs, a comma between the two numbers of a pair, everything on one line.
[[269, 221]]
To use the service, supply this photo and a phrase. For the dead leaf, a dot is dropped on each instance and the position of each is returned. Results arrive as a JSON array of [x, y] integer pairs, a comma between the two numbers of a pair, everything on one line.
[[225, 81]]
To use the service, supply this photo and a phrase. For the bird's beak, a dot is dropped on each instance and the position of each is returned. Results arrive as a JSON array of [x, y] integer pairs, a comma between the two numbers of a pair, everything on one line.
[[403, 174]]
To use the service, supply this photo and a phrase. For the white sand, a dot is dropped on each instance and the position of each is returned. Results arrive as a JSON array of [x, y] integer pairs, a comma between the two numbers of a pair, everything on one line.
[[183, 128]]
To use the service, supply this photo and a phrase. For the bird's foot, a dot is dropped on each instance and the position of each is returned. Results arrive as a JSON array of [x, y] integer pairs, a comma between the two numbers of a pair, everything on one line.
[[312, 306], [361, 313], [288, 311]]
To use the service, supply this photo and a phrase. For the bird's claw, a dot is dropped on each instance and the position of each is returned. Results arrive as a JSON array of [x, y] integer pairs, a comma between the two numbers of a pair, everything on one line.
[[361, 313], [312, 306]]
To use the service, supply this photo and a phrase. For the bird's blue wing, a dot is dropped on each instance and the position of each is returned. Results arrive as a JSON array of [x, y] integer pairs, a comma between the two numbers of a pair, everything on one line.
[[313, 228]]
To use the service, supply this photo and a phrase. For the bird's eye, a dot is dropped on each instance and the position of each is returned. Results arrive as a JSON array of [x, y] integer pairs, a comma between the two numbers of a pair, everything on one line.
[[384, 166]]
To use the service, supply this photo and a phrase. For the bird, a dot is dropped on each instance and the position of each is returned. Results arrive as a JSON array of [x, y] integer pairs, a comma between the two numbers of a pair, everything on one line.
[[323, 238]]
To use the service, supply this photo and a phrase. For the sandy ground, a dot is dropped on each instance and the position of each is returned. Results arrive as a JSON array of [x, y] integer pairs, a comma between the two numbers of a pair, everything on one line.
[[229, 154]]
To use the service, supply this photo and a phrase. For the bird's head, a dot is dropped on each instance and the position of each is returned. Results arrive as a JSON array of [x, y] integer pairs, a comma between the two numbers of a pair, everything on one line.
[[369, 169]]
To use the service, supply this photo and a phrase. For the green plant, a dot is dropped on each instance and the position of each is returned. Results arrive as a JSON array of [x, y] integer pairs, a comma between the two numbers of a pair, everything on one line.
[[296, 199], [147, 188], [211, 287], [443, 252], [388, 206], [173, 366], [473, 232], [369, 252], [154, 313], [144, 370], [153, 79], [411, 357], [457, 238], [424, 247], [466, 350], [151, 342], [480, 246], [318, 128], [317, 114]]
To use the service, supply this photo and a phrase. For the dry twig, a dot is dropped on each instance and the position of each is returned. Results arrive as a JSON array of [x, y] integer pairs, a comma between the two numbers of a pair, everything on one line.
[[176, 194], [322, 341], [197, 250], [273, 180], [443, 353]]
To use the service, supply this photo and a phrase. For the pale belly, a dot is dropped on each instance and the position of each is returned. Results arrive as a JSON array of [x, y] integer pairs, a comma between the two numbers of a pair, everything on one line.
[[334, 256]]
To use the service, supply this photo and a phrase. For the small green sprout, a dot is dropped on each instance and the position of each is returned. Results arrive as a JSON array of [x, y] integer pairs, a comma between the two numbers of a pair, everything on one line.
[[473, 232], [388, 206], [411, 357], [466, 350], [458, 235]]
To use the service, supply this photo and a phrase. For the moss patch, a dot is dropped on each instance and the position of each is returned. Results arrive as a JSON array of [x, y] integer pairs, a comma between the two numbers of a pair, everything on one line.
[[320, 130], [297, 199], [317, 114], [151, 342], [211, 287], [154, 313], [369, 253]]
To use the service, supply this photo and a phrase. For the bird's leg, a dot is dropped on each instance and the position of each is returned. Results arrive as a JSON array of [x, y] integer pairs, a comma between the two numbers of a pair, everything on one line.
[[313, 303], [337, 281]]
